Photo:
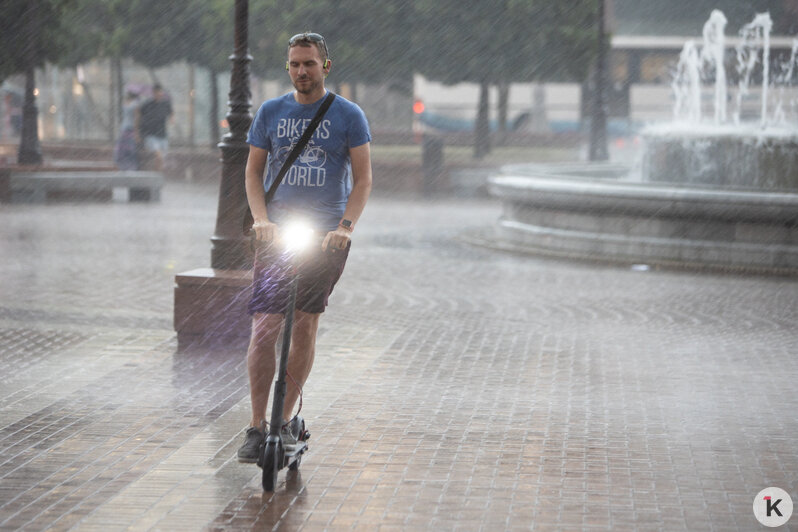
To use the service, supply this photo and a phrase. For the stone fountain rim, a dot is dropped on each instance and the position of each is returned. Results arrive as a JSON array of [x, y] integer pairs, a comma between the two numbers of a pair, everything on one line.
[[571, 176], [747, 132], [563, 185], [547, 209], [603, 187]]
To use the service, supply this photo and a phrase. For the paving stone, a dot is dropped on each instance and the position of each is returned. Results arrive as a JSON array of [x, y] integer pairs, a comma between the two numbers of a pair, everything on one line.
[[454, 388]]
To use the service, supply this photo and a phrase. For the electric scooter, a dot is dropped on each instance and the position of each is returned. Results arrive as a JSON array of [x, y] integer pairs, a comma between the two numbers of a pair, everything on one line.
[[274, 454]]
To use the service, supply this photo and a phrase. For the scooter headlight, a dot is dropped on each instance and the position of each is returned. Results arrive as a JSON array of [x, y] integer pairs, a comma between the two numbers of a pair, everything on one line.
[[297, 236]]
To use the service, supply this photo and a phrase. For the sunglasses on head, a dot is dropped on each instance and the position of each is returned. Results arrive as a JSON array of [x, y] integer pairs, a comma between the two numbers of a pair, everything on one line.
[[308, 37]]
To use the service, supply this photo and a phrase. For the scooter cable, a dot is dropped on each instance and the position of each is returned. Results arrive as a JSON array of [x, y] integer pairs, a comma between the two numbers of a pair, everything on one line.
[[300, 399]]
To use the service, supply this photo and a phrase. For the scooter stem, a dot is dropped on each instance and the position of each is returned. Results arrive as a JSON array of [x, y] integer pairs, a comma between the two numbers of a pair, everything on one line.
[[278, 401]]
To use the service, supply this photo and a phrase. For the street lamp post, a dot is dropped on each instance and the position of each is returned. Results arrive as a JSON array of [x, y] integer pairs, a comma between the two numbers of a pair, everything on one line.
[[210, 303], [598, 122], [229, 249]]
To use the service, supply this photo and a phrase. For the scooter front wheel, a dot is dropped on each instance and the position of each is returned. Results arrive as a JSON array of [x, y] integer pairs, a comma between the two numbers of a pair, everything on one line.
[[270, 466]]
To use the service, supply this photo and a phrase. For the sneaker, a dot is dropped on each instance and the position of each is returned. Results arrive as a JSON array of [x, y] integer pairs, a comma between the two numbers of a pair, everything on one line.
[[250, 451], [289, 434], [294, 432]]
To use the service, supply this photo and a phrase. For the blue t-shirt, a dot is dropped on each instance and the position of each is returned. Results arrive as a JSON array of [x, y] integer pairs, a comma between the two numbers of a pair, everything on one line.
[[317, 185]]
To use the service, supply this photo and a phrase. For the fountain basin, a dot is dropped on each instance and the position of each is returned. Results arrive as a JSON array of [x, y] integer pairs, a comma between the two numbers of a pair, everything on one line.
[[596, 211], [724, 156]]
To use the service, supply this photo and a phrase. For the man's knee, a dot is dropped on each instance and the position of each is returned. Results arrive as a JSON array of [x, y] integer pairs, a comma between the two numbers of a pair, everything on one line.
[[306, 322], [265, 329], [304, 333]]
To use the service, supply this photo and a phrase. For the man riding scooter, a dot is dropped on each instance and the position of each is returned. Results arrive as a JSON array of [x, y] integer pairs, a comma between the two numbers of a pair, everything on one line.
[[331, 202]]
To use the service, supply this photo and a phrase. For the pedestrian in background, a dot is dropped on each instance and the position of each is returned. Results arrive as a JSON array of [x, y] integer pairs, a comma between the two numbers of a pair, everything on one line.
[[153, 116], [126, 150]]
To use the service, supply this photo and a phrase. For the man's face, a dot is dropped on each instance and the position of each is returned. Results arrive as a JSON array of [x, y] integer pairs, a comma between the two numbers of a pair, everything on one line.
[[305, 69]]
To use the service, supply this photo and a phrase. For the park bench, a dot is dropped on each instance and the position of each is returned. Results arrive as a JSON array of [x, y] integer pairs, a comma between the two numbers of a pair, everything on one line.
[[34, 186]]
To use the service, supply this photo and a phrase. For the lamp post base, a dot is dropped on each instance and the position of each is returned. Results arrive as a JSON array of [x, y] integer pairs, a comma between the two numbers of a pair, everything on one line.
[[211, 307]]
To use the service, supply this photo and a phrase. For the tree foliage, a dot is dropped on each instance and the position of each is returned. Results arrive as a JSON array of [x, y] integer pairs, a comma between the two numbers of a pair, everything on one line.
[[32, 32], [385, 41], [157, 33], [504, 40], [369, 41]]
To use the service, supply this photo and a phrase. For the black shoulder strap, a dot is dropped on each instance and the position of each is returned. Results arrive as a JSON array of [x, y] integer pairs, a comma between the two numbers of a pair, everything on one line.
[[300, 145]]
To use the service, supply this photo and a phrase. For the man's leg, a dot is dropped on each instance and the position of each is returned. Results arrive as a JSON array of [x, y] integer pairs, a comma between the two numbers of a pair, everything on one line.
[[260, 367], [155, 149], [301, 356], [157, 159], [145, 159], [157, 163], [261, 363]]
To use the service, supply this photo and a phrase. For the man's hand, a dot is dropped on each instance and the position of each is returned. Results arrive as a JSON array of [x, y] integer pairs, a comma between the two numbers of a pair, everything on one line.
[[265, 231], [338, 239]]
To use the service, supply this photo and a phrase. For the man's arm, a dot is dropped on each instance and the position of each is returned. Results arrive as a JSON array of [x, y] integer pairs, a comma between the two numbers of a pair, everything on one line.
[[361, 182], [361, 188], [256, 197]]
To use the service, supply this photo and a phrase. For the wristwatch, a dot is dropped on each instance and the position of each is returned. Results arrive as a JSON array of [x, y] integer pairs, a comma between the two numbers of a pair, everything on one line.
[[346, 224]]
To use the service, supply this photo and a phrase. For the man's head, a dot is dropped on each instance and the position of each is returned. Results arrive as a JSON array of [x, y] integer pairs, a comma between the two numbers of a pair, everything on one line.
[[158, 92], [308, 39], [308, 62]]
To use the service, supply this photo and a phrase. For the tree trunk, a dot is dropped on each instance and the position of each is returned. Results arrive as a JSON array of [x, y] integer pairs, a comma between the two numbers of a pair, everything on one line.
[[154, 77], [191, 95], [482, 125], [120, 87], [504, 97], [99, 115], [598, 120], [115, 97], [30, 150], [214, 113]]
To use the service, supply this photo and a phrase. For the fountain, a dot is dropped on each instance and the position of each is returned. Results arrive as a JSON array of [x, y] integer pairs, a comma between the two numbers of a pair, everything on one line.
[[760, 154], [715, 188]]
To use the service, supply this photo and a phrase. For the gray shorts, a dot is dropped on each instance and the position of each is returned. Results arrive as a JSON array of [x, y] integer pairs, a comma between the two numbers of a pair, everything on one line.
[[318, 273], [159, 144]]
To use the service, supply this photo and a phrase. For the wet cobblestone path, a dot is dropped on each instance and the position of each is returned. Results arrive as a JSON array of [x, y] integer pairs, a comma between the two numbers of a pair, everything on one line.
[[455, 388]]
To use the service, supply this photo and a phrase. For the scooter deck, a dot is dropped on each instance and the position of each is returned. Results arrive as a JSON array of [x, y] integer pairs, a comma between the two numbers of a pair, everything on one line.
[[293, 455], [295, 450]]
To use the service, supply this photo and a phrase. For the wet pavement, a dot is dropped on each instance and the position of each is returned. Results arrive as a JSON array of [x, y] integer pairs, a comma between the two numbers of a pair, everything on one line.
[[455, 388]]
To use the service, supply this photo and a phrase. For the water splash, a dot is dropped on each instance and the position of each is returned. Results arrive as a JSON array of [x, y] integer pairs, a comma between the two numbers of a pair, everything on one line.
[[755, 42], [696, 64], [687, 85], [712, 55], [784, 80], [704, 64]]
